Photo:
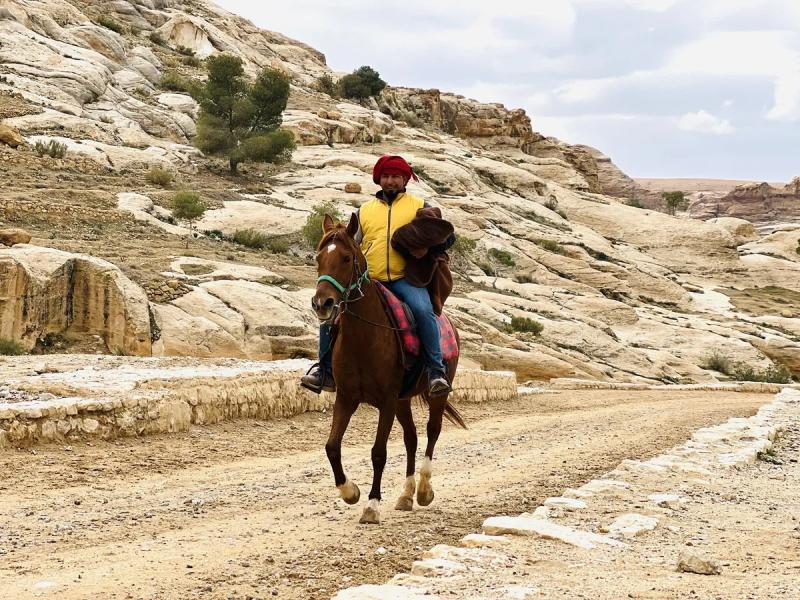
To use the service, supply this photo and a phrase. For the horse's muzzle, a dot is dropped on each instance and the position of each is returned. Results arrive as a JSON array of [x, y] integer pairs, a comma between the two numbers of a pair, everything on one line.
[[323, 306]]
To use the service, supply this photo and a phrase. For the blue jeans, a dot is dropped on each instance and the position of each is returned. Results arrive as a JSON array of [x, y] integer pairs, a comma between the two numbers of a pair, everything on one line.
[[419, 301]]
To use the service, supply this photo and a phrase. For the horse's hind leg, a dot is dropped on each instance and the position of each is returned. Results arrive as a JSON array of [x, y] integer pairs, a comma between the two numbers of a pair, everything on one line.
[[406, 420], [425, 490], [342, 411], [385, 421]]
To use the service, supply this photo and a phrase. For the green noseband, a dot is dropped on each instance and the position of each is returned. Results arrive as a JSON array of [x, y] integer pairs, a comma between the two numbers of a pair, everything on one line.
[[345, 291]]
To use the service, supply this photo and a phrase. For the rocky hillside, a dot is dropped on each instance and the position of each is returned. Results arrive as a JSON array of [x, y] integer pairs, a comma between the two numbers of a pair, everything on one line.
[[766, 206], [622, 293]]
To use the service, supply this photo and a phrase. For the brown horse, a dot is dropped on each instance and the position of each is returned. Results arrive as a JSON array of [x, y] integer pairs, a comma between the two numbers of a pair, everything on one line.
[[367, 368]]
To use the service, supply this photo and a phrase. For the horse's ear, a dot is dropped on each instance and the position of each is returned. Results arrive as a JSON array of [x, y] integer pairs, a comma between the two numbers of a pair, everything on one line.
[[352, 226], [327, 223]]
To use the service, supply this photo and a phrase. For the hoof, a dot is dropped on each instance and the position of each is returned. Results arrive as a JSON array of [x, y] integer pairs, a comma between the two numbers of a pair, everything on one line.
[[372, 513], [404, 503], [349, 492], [424, 495]]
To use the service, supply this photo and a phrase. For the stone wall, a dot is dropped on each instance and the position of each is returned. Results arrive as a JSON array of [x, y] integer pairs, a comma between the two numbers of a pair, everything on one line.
[[146, 396]]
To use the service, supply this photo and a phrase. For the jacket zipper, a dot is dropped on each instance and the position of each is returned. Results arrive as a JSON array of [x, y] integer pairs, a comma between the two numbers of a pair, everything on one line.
[[388, 240]]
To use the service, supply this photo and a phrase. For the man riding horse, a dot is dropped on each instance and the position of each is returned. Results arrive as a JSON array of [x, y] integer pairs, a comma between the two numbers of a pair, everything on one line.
[[378, 220]]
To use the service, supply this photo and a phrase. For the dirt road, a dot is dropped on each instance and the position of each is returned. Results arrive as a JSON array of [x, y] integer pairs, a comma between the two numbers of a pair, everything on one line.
[[248, 509]]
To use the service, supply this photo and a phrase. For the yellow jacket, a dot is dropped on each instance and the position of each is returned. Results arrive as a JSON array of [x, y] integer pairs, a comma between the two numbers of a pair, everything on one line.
[[379, 220]]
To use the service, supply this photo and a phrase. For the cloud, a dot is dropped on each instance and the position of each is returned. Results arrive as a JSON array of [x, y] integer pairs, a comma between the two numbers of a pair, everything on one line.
[[703, 122], [772, 54], [652, 5], [739, 59]]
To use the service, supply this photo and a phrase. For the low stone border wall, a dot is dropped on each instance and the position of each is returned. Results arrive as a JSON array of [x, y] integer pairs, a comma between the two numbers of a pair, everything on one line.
[[145, 396], [615, 499], [750, 387]]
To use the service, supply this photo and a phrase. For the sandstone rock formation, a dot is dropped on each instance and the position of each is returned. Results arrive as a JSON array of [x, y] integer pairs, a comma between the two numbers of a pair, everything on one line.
[[9, 237], [760, 203], [45, 291], [10, 136], [623, 293]]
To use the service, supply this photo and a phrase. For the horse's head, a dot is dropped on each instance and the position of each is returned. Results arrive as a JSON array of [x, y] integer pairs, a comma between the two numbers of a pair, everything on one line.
[[341, 267]]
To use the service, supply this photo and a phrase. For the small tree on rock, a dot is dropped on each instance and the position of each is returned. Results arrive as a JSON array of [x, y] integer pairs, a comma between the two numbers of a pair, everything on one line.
[[187, 206], [361, 83], [674, 201], [239, 119]]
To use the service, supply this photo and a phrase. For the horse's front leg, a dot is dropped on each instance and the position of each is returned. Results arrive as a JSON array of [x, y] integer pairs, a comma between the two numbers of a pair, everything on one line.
[[385, 421], [342, 411], [406, 420]]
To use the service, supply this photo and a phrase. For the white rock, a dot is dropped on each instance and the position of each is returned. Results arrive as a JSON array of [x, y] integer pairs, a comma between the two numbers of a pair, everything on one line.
[[631, 525], [672, 501], [436, 567], [547, 530], [480, 540], [383, 592], [568, 504]]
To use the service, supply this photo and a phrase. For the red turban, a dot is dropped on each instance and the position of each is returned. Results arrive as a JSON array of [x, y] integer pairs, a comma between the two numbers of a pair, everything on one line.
[[392, 165]]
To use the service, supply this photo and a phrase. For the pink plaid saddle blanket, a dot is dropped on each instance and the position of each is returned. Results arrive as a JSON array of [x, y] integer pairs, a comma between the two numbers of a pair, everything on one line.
[[400, 312]]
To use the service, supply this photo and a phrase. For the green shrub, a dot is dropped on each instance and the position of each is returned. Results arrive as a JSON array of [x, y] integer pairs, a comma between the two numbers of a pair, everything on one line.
[[463, 247], [312, 230], [361, 83], [156, 38], [188, 206], [215, 234], [502, 256], [53, 149], [378, 138], [251, 238], [159, 176], [10, 348], [273, 147], [526, 325], [109, 23], [798, 247], [279, 245], [549, 245], [173, 81], [191, 61], [772, 374], [327, 85], [184, 50], [716, 361], [634, 202]]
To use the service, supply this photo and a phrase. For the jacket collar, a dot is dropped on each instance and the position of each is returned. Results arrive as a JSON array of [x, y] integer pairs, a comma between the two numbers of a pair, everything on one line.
[[379, 196]]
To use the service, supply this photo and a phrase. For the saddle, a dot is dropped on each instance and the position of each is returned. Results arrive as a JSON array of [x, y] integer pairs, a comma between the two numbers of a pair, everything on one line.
[[402, 320]]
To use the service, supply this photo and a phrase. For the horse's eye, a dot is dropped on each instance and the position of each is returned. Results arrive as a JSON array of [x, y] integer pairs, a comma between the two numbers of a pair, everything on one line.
[[347, 258]]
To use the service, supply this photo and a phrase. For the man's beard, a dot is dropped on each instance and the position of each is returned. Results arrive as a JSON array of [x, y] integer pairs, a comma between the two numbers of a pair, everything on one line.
[[390, 194]]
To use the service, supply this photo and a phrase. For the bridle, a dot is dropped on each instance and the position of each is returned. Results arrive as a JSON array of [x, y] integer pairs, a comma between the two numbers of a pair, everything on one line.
[[357, 279]]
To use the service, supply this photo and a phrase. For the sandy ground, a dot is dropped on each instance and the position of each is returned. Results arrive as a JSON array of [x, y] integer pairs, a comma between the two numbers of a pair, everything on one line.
[[248, 509], [696, 185], [746, 520]]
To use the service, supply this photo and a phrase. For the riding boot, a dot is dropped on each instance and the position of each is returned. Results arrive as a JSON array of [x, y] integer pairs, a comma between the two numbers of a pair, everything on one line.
[[437, 383], [318, 379], [320, 376]]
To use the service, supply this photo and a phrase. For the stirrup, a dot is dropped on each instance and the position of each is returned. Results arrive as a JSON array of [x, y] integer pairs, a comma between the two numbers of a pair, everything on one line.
[[318, 384]]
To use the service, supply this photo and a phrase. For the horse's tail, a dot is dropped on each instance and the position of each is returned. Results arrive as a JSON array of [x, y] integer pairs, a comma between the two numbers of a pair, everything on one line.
[[451, 414]]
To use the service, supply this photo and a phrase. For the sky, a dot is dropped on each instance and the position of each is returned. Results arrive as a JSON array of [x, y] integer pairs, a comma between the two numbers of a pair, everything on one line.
[[666, 88]]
